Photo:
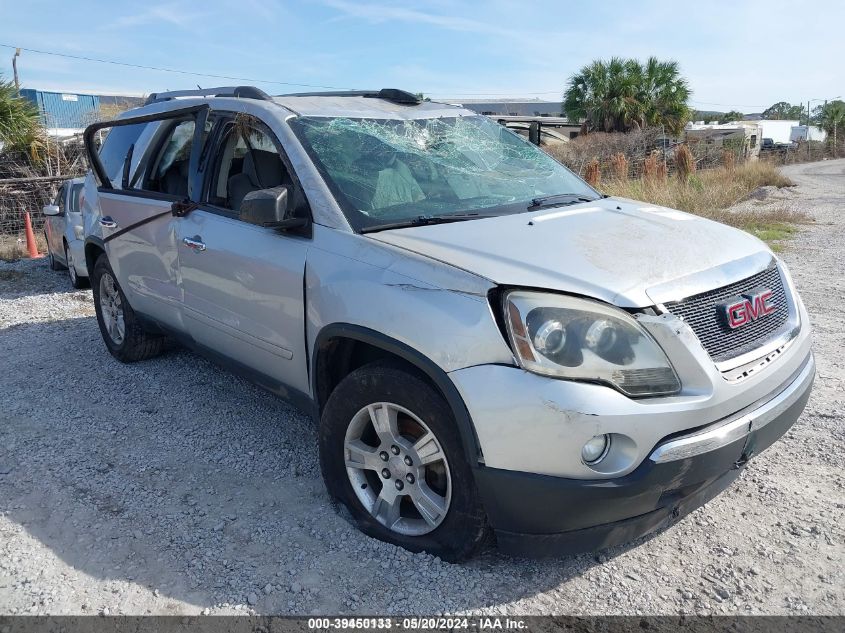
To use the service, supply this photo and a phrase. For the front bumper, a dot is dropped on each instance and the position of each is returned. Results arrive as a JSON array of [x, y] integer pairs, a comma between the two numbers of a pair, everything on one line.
[[539, 515]]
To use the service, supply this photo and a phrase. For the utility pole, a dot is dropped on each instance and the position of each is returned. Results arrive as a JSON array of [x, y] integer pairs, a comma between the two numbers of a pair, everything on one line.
[[15, 70], [808, 129]]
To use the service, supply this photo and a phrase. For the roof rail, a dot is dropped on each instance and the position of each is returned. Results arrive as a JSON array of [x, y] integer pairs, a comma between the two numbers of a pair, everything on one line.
[[393, 95], [242, 92]]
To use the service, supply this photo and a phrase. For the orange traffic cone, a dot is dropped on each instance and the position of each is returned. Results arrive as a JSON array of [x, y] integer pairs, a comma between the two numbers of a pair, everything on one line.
[[31, 246]]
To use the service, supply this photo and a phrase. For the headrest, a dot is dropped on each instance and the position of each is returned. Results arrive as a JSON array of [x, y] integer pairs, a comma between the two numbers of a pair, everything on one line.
[[264, 168]]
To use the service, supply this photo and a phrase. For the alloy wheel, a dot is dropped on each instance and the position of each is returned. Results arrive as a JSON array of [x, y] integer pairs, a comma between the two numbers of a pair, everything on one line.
[[398, 469], [111, 308], [71, 269]]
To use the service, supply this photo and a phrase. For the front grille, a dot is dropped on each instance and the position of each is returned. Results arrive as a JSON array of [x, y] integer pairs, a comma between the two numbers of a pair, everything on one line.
[[701, 312]]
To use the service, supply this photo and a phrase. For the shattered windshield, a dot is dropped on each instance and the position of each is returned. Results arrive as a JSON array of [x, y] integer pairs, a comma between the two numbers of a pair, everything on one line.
[[388, 171]]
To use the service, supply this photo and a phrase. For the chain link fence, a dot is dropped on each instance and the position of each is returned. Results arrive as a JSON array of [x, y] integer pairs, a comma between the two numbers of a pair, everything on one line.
[[805, 152], [17, 198], [629, 155], [30, 181]]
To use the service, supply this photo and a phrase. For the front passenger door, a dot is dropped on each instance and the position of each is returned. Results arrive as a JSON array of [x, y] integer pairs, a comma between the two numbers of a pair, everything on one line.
[[243, 284]]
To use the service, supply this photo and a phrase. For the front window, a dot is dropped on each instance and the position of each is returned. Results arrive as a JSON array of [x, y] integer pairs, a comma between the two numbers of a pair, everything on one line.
[[391, 171]]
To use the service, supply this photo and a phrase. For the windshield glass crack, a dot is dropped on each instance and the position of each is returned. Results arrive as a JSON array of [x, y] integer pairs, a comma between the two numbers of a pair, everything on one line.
[[397, 171]]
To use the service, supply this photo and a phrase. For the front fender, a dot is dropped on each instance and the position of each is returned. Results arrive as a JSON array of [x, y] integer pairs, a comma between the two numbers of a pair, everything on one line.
[[440, 311], [362, 290]]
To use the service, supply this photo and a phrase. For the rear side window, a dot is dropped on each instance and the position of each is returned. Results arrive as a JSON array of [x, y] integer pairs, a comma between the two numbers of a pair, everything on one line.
[[60, 198], [169, 171], [74, 197], [115, 150]]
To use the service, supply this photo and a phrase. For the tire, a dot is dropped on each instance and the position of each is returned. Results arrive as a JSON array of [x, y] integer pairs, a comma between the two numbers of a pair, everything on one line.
[[54, 265], [132, 342], [456, 526], [75, 280]]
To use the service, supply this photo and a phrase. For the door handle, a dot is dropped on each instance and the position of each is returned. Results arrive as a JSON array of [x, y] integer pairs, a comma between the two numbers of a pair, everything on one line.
[[194, 243], [107, 223]]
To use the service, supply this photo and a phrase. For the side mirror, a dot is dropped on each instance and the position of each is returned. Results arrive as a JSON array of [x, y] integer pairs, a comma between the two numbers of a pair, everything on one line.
[[269, 207], [51, 209]]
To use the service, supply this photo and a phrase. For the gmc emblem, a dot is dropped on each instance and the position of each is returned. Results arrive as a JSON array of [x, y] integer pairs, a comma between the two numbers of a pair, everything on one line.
[[749, 307]]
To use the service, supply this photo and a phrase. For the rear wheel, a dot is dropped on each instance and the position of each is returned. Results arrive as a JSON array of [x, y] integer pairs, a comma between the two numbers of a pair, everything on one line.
[[390, 452], [54, 264], [122, 331], [75, 280]]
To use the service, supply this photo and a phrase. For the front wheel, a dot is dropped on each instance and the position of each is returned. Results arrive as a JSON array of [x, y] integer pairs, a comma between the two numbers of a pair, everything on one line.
[[391, 453], [122, 331]]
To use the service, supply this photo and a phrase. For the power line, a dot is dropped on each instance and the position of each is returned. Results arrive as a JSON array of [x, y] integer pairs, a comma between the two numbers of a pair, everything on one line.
[[728, 105], [247, 79], [496, 94], [229, 77], [170, 70], [290, 83]]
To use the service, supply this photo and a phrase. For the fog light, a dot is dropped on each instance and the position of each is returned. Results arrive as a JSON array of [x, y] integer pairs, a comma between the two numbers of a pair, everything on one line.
[[595, 449]]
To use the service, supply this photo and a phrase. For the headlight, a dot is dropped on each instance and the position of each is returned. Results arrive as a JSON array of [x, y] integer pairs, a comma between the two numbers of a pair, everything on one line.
[[573, 338]]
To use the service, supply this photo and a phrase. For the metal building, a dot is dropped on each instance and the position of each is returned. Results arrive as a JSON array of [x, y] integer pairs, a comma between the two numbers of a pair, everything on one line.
[[63, 110]]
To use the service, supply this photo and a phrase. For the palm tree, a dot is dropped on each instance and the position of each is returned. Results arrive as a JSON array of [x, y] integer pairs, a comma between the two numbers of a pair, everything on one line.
[[20, 124], [665, 94], [832, 119], [622, 94]]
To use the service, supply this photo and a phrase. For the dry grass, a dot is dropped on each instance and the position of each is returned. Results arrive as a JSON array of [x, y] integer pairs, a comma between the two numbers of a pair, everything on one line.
[[592, 174], [685, 162], [13, 247], [706, 192], [709, 193]]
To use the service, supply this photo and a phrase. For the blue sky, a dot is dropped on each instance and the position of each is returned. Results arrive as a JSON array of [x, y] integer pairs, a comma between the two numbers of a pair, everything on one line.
[[743, 55]]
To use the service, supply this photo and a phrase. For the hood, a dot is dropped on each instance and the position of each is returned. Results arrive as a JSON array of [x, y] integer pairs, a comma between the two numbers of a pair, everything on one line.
[[624, 252]]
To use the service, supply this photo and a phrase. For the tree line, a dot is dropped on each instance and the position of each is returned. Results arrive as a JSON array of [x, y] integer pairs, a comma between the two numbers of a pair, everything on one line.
[[616, 95], [619, 95]]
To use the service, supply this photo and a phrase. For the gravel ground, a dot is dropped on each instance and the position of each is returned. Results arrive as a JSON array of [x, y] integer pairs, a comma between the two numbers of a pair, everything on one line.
[[172, 487]]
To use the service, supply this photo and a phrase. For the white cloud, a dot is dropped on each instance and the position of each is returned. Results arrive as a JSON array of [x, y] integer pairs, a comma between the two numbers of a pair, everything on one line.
[[172, 14], [380, 13]]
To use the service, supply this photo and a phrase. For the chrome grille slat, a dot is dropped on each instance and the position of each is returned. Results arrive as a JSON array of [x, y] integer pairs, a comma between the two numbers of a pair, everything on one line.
[[701, 313]]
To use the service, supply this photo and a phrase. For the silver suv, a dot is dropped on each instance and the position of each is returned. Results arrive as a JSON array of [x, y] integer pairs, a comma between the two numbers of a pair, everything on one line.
[[488, 346]]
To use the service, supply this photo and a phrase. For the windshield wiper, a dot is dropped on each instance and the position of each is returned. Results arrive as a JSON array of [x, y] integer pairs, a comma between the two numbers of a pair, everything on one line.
[[424, 220], [559, 199]]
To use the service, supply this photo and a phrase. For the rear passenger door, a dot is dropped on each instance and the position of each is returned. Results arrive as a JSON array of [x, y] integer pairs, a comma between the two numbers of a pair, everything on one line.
[[147, 167], [242, 283]]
